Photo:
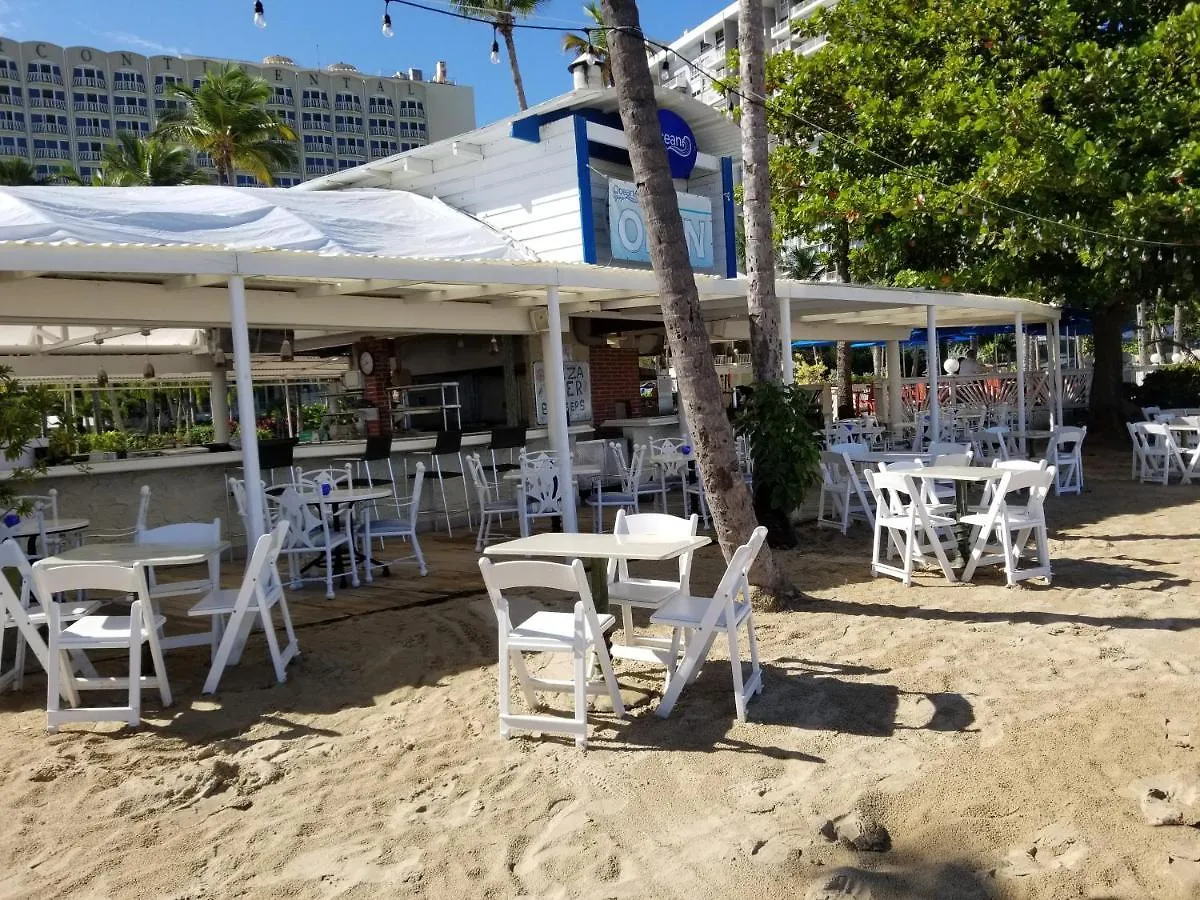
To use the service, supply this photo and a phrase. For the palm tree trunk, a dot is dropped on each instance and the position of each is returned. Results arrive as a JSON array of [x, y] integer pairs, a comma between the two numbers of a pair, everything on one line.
[[765, 352], [511, 47], [699, 388]]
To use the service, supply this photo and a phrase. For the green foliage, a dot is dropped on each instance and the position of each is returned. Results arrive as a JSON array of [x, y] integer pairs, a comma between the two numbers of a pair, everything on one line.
[[198, 434], [780, 420], [1171, 387], [227, 118], [311, 415], [1073, 110], [20, 423], [109, 441], [808, 372]]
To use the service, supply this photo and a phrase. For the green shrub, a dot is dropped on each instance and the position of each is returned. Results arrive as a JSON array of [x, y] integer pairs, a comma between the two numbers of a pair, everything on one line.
[[780, 420], [1171, 387]]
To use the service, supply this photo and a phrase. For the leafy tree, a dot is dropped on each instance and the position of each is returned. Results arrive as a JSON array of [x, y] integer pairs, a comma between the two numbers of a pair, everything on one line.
[[597, 42], [134, 161], [227, 118], [503, 15], [20, 423], [1081, 117]]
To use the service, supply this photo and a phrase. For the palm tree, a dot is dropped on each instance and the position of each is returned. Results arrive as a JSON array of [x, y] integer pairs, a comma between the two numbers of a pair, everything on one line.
[[136, 161], [596, 42], [226, 117], [21, 173], [800, 262], [503, 15]]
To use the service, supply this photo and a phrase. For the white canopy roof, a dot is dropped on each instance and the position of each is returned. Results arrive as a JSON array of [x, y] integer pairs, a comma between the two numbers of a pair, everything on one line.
[[343, 223]]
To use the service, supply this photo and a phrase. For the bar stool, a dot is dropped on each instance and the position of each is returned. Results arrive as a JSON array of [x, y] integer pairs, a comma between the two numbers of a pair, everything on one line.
[[379, 448], [506, 438], [447, 443]]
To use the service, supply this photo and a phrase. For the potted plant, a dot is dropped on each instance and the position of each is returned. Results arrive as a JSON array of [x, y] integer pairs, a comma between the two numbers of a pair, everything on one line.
[[781, 422]]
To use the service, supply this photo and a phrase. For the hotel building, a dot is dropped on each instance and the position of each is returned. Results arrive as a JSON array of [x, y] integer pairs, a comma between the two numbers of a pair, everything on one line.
[[59, 106]]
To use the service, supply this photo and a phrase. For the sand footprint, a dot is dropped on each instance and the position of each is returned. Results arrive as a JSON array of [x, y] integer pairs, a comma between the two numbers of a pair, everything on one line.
[[1057, 846]]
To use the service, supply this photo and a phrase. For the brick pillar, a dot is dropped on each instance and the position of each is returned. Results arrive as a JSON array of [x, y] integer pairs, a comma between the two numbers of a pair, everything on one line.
[[377, 385], [614, 375]]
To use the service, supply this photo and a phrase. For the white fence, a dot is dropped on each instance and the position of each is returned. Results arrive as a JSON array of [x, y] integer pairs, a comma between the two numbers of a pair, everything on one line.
[[987, 390]]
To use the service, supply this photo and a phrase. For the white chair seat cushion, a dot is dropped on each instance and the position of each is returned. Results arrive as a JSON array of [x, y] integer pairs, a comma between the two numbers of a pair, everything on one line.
[[613, 499], [95, 631], [552, 631], [647, 593], [383, 527], [687, 612]]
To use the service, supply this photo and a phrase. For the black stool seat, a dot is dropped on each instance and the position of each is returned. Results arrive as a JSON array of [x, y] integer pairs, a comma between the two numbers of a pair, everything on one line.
[[374, 482]]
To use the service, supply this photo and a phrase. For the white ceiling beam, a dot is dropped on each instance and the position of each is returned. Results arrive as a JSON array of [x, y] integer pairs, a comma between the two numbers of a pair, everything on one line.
[[48, 301], [465, 151], [104, 334], [415, 166], [183, 282], [19, 276], [351, 286]]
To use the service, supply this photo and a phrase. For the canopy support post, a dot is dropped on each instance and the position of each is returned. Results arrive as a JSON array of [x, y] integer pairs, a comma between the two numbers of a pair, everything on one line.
[[1056, 371], [1020, 341], [218, 400], [247, 422], [933, 363], [785, 339], [895, 385], [556, 405]]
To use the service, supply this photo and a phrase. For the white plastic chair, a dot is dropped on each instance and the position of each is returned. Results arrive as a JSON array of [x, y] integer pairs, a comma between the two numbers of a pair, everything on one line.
[[139, 522], [312, 536], [625, 497], [727, 611], [100, 632], [628, 592], [579, 633], [1065, 454], [261, 590], [991, 443], [1012, 523], [24, 617], [910, 525], [540, 491], [492, 507], [670, 465], [400, 522]]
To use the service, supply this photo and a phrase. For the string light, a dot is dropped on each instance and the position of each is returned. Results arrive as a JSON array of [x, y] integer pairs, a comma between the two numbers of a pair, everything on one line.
[[260, 18], [495, 57], [388, 32]]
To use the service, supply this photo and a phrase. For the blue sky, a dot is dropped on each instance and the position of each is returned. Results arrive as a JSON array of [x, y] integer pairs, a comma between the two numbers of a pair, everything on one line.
[[326, 31]]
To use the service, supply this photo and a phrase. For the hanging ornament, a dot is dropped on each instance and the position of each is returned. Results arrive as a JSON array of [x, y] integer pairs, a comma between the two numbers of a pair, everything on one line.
[[260, 19], [102, 378], [388, 31], [495, 55]]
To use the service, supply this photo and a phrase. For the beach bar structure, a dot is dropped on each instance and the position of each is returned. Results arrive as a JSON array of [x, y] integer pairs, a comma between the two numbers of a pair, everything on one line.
[[393, 255]]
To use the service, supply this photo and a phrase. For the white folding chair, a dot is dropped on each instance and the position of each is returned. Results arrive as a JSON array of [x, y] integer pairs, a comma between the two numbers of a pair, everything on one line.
[[184, 534], [339, 478], [261, 590], [492, 506], [727, 611], [139, 522], [990, 443], [628, 592], [992, 531], [540, 491], [670, 466], [100, 632], [842, 487], [1157, 453], [910, 525], [625, 497], [1065, 454], [579, 633], [312, 537], [400, 521], [25, 617]]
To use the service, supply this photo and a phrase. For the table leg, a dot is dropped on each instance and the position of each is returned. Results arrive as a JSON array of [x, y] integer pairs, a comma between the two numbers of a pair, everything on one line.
[[597, 570]]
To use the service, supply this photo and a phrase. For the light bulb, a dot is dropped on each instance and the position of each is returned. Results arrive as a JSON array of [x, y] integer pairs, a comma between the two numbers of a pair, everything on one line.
[[495, 57], [102, 378], [285, 351], [387, 26], [148, 372], [259, 18], [218, 358]]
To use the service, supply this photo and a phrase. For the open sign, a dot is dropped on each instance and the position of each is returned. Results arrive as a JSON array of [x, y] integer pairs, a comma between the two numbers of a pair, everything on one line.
[[578, 395]]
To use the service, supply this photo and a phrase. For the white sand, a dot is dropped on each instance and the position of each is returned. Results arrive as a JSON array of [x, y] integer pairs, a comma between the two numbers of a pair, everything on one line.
[[997, 734]]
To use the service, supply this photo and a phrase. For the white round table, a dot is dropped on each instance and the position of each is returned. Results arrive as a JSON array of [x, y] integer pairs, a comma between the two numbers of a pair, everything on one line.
[[30, 528]]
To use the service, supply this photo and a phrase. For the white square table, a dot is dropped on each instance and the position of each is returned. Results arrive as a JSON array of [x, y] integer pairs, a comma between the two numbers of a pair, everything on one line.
[[596, 550], [149, 556], [1193, 466]]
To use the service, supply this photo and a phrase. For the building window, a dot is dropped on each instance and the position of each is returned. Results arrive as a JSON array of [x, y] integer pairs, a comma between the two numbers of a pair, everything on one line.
[[44, 72], [161, 82], [283, 96], [129, 81], [134, 127], [315, 98], [12, 121]]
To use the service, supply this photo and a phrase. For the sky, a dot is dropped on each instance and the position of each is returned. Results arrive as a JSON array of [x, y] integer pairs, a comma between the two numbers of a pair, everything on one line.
[[321, 32]]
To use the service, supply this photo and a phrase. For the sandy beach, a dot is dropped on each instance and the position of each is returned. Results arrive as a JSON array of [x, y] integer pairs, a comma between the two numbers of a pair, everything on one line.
[[1006, 739]]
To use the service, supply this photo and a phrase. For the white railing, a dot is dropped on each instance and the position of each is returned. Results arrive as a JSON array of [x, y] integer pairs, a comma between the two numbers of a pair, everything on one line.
[[991, 389], [46, 103]]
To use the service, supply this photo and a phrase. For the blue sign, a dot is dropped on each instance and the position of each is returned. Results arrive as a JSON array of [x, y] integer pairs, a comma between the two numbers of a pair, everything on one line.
[[680, 143]]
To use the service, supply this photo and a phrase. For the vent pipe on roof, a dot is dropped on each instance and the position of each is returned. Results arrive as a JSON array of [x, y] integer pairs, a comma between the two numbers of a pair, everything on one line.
[[440, 72], [585, 72]]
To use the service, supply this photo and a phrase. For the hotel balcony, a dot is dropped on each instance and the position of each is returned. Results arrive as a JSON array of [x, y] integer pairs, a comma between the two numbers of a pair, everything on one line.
[[44, 78], [93, 131], [89, 82], [46, 103], [88, 106], [49, 153], [48, 128]]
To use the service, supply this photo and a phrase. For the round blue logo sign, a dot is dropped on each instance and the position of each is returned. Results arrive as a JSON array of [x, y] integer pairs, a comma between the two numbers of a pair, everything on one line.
[[680, 143]]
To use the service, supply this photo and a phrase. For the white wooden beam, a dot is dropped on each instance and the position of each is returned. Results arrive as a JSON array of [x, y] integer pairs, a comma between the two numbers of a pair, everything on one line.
[[351, 286], [462, 150], [417, 166], [183, 282], [19, 276]]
